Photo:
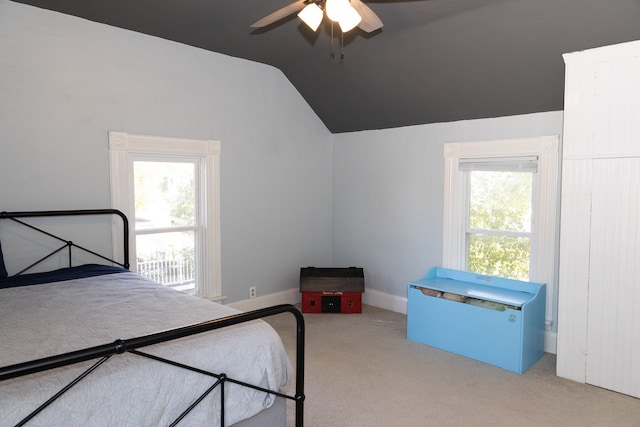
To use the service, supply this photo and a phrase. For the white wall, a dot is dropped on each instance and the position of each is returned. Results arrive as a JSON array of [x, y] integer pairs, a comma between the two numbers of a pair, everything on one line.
[[66, 82], [388, 188]]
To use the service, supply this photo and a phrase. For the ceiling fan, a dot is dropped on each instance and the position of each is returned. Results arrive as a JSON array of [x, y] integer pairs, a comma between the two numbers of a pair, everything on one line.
[[347, 13]]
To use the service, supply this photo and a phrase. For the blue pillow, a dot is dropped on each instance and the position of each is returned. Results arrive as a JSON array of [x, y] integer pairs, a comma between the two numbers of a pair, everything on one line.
[[3, 269]]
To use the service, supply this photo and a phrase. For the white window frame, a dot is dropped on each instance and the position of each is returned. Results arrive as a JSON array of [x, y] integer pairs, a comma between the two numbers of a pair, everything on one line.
[[124, 148], [544, 204]]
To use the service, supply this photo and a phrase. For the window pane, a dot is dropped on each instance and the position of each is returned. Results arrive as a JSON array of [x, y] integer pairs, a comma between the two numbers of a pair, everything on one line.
[[164, 194], [167, 258], [500, 200], [503, 256]]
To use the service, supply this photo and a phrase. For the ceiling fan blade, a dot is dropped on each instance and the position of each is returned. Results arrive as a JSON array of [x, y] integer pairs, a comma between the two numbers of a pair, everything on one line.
[[279, 14], [370, 21]]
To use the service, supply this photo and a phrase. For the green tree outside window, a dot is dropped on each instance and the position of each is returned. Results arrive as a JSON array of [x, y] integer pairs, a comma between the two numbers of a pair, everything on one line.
[[498, 237]]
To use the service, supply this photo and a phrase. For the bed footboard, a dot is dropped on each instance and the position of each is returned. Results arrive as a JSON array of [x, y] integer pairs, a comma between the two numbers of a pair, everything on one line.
[[104, 352]]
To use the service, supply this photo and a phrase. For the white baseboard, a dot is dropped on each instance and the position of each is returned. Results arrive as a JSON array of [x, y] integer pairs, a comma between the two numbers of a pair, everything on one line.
[[385, 301], [551, 342], [291, 296]]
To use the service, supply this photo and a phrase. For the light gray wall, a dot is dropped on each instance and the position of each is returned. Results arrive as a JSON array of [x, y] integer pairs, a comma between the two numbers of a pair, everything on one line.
[[66, 82], [388, 190]]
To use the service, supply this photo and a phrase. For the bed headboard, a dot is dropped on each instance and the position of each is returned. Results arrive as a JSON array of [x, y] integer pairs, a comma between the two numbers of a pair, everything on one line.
[[18, 217]]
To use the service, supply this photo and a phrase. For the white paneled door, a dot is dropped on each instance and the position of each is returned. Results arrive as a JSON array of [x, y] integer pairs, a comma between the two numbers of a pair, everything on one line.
[[613, 320]]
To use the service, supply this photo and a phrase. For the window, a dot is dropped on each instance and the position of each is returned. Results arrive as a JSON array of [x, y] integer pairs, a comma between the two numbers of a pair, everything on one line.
[[498, 198], [168, 188], [167, 220], [500, 209]]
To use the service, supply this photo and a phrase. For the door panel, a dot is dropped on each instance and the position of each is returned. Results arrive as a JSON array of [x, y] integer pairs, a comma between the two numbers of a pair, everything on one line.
[[613, 338]]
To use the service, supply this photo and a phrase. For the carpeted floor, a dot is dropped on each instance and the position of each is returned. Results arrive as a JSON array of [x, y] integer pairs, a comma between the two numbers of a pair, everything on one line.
[[362, 371]]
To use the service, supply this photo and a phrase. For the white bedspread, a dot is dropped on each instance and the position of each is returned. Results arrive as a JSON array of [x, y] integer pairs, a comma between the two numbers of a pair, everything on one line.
[[44, 320]]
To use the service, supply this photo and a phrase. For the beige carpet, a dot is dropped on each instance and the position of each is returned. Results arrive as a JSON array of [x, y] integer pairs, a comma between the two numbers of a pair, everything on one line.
[[362, 371]]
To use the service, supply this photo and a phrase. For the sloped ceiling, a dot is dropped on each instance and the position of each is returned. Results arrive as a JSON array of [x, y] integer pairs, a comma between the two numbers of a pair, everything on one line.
[[434, 60]]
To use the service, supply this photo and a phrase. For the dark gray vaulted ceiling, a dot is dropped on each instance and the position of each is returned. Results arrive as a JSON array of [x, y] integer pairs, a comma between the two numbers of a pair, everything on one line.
[[433, 61]]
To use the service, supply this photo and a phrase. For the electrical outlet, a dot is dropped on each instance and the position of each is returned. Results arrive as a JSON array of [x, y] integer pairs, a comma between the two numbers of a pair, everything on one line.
[[252, 292]]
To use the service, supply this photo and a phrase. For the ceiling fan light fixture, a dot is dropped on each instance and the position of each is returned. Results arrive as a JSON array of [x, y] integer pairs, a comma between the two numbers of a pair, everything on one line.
[[350, 19], [311, 15], [336, 8]]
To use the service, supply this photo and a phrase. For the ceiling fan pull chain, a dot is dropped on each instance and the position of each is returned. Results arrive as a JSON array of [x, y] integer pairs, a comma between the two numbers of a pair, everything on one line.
[[332, 56]]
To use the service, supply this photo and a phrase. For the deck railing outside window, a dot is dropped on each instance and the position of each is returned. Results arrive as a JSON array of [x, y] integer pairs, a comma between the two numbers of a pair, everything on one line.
[[175, 273]]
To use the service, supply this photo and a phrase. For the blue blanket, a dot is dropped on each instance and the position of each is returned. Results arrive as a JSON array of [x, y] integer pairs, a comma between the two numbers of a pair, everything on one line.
[[79, 272]]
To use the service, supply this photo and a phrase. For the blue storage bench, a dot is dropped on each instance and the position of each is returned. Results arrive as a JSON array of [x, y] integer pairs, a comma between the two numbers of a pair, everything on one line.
[[494, 320]]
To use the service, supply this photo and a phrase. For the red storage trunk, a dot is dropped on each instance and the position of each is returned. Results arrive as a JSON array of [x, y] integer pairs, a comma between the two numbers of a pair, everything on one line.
[[331, 290]]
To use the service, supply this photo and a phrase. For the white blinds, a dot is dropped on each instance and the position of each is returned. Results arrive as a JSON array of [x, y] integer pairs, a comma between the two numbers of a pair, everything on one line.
[[500, 164]]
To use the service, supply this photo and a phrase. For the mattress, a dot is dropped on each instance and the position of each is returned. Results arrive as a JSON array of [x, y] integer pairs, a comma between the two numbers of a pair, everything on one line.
[[42, 320]]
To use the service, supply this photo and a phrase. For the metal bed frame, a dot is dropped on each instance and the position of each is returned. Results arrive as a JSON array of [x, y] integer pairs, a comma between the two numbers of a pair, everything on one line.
[[106, 351]]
